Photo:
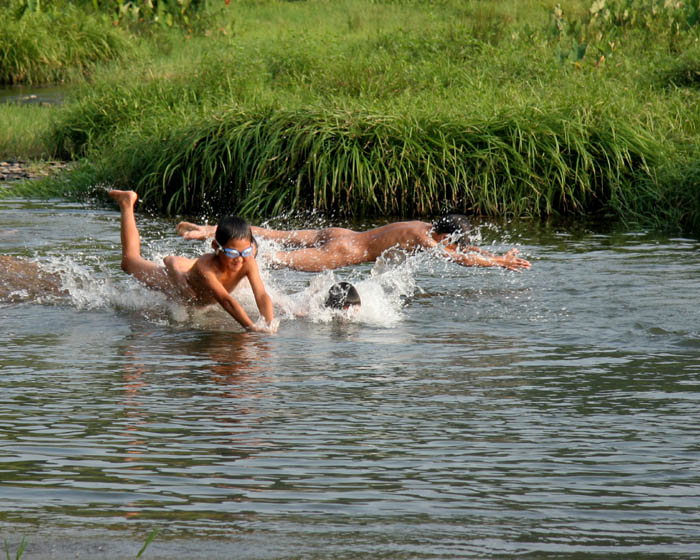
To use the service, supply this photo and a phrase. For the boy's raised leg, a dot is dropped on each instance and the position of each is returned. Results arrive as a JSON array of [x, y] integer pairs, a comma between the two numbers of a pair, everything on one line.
[[133, 263]]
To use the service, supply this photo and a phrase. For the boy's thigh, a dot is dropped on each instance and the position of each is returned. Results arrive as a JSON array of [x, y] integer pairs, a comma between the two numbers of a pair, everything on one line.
[[150, 274]]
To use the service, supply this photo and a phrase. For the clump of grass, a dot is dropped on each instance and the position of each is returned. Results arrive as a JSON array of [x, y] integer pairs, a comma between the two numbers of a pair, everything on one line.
[[23, 545], [79, 182], [20, 550], [48, 47], [149, 539], [681, 71], [354, 163], [673, 202]]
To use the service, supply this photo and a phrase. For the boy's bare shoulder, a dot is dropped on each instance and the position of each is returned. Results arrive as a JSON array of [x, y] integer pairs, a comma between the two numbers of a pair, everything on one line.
[[203, 264]]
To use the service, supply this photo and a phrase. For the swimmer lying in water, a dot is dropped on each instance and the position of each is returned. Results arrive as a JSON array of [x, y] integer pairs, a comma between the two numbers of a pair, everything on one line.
[[314, 250], [21, 278], [205, 280]]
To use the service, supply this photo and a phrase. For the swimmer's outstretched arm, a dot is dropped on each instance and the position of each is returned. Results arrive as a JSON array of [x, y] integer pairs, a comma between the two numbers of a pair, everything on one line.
[[295, 238], [509, 260]]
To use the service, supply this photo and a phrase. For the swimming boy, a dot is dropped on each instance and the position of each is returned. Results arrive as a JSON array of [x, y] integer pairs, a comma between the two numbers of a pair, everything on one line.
[[205, 280], [321, 249]]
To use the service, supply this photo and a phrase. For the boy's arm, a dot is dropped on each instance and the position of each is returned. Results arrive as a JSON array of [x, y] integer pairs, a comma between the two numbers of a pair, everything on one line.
[[194, 231], [510, 260], [262, 298], [227, 301], [475, 249]]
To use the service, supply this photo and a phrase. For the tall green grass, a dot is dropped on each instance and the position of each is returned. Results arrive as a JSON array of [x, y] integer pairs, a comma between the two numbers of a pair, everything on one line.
[[24, 131], [48, 47], [363, 107], [356, 163]]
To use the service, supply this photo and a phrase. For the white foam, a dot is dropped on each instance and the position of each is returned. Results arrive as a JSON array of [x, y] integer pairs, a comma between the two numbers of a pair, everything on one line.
[[99, 287]]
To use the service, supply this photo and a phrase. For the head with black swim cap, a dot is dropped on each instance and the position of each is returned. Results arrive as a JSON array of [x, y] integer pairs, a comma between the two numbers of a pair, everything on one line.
[[342, 295], [457, 225]]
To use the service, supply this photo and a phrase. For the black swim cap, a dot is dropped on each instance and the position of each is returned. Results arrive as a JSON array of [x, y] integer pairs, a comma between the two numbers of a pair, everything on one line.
[[454, 223], [342, 295]]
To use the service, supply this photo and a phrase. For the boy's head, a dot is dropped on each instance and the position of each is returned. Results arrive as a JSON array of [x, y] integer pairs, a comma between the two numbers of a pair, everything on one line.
[[449, 224], [234, 238], [232, 227], [342, 295]]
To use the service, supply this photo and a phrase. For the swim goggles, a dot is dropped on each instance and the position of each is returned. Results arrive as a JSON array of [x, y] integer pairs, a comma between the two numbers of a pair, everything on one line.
[[234, 253]]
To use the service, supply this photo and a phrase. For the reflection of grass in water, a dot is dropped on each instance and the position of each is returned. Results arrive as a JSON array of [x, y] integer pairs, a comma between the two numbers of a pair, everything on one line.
[[23, 546]]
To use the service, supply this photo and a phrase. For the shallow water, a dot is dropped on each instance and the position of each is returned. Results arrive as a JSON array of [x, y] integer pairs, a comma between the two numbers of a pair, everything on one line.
[[463, 413], [42, 95]]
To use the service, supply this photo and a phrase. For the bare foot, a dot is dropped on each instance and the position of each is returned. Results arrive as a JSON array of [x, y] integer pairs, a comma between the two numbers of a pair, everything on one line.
[[183, 227], [124, 198], [193, 231]]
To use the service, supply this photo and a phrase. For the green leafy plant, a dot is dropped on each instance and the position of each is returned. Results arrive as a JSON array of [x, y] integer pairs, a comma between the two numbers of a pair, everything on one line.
[[151, 536], [20, 550]]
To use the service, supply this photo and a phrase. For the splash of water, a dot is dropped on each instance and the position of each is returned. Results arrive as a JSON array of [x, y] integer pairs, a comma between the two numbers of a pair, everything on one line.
[[383, 291]]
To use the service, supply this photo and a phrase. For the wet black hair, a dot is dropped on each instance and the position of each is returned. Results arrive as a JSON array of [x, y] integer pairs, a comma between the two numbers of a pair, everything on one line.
[[342, 295], [233, 227], [454, 223]]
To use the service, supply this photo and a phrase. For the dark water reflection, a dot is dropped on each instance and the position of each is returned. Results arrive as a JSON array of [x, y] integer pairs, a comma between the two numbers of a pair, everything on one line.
[[549, 414]]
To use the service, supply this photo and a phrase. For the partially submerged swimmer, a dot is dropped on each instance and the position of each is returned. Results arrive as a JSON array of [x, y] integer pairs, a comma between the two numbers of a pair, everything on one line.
[[208, 279], [21, 278], [343, 295], [314, 250]]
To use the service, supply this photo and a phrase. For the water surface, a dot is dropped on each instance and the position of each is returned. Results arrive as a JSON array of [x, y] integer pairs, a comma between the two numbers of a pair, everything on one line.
[[41, 95], [463, 413]]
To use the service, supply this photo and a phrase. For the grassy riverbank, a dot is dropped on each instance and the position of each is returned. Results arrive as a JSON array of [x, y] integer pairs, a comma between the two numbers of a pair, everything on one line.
[[403, 108]]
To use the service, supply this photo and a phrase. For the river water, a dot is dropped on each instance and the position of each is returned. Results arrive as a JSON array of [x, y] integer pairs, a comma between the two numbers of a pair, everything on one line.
[[462, 413]]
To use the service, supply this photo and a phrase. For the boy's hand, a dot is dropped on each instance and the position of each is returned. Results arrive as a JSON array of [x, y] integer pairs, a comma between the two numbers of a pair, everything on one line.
[[511, 261], [264, 327]]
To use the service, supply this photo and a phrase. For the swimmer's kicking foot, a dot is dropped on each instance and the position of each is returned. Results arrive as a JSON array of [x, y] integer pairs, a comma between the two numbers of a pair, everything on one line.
[[127, 198]]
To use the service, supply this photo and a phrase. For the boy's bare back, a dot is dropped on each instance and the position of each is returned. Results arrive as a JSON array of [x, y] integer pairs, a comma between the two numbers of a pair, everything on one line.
[[407, 236]]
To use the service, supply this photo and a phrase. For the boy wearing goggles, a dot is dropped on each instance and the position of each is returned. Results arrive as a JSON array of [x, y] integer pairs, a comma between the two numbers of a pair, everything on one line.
[[208, 279]]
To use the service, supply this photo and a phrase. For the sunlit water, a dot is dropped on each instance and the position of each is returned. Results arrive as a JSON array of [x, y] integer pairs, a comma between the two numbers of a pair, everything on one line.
[[462, 413]]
